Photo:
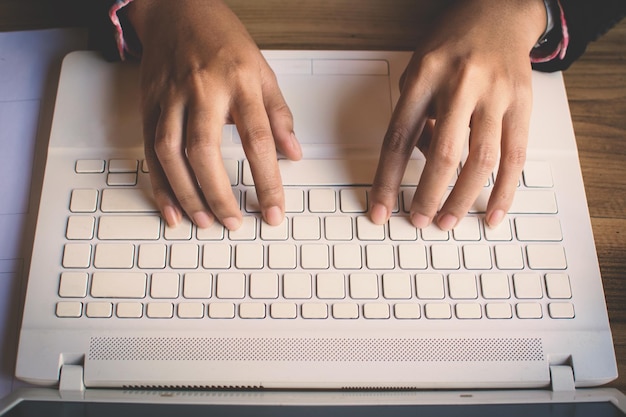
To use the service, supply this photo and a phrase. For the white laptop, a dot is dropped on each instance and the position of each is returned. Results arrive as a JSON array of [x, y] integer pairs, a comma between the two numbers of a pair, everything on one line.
[[327, 300]]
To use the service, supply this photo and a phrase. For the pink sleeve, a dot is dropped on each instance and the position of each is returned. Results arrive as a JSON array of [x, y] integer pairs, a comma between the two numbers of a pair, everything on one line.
[[122, 46]]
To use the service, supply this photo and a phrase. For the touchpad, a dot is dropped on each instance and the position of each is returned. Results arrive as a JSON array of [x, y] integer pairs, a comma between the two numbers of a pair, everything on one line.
[[344, 109]]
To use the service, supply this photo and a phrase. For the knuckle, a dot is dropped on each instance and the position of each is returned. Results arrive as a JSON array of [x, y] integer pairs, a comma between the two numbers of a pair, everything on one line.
[[167, 147], [445, 154], [515, 157], [398, 140]]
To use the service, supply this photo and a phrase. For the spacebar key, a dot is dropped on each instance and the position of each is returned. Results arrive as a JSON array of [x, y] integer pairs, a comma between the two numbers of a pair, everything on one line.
[[333, 172], [133, 200]]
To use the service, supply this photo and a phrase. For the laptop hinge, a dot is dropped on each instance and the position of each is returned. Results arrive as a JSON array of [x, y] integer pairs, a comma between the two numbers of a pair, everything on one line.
[[71, 384], [562, 378]]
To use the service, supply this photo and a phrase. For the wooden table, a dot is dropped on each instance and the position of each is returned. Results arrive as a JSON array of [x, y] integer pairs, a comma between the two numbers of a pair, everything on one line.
[[596, 86]]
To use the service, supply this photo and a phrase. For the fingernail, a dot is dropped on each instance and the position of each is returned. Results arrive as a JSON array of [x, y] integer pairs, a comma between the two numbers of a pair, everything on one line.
[[379, 214], [202, 219], [171, 215], [273, 215], [447, 222], [231, 223], [496, 218], [419, 220]]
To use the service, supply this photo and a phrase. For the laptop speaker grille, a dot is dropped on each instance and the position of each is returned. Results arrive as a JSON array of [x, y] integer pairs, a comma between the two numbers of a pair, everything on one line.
[[316, 349]]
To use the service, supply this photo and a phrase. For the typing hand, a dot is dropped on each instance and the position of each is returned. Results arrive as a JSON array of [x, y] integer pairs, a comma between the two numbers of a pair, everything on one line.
[[200, 69], [473, 70]]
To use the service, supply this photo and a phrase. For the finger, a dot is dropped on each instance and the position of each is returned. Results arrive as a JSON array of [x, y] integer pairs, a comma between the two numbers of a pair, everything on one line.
[[258, 143], [400, 139], [169, 148], [203, 138], [513, 156], [484, 147], [163, 195], [442, 160], [281, 121]]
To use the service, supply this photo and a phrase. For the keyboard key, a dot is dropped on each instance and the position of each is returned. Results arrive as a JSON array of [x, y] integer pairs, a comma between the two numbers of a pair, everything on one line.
[[306, 228], [221, 310], [98, 309], [429, 286], [77, 255], [232, 170], [283, 311], [558, 286], [263, 285], [477, 257], [345, 311], [445, 256], [197, 285], [500, 233], [297, 285], [376, 311], [160, 310], [509, 257], [527, 285], [282, 256], [278, 232], [534, 202], [73, 284], [129, 310], [438, 311], [184, 255], [396, 285], [400, 228], [84, 201], [69, 309], [495, 285], [529, 310], [151, 255], [118, 284], [468, 311], [407, 311], [252, 310], [434, 233], [347, 256], [190, 310], [123, 165], [338, 228], [164, 285], [247, 231], [314, 311], [498, 311], [216, 256], [546, 257], [462, 286], [561, 310], [80, 227], [119, 179], [468, 229], [412, 256], [129, 227], [537, 174], [363, 286], [379, 257], [135, 200], [114, 255], [249, 256], [538, 229], [366, 230], [294, 200], [89, 166], [182, 231], [214, 232], [231, 285], [330, 285], [353, 200], [322, 200], [314, 256]]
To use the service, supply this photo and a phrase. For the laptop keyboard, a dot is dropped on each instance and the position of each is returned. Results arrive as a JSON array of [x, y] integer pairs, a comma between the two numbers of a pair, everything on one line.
[[325, 261]]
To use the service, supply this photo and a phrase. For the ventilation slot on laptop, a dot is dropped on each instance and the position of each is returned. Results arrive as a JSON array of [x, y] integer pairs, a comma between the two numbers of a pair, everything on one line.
[[316, 349]]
